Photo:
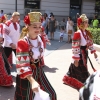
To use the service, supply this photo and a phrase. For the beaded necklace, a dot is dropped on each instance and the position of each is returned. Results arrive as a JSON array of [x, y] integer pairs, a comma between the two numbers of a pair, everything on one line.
[[31, 53]]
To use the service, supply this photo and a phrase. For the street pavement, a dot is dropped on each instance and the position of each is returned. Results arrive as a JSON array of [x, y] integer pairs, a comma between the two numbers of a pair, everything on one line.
[[57, 60]]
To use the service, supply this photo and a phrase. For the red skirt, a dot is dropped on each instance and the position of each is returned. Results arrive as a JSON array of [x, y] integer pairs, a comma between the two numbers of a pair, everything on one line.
[[76, 76], [5, 78]]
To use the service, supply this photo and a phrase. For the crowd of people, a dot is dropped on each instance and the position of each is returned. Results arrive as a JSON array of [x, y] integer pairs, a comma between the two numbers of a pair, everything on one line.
[[29, 47]]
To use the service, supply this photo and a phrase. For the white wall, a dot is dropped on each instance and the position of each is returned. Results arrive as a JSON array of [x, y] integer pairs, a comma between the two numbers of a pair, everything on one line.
[[88, 7], [20, 6], [9, 6], [58, 7]]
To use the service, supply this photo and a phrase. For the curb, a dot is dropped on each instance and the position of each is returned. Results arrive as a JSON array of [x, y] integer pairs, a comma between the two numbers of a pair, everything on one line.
[[97, 47]]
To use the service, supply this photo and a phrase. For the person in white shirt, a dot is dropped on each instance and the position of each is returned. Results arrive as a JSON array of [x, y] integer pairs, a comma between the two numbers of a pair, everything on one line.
[[69, 28], [11, 34], [61, 34]]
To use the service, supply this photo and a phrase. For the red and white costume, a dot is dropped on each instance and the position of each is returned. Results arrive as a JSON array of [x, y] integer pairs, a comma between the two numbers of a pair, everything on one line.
[[44, 37], [5, 77], [76, 76], [11, 33], [45, 40], [27, 66], [1, 30]]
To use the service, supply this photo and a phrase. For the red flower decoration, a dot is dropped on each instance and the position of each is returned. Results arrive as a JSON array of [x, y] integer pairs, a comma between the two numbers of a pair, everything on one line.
[[27, 20], [79, 21], [3, 18], [41, 19]]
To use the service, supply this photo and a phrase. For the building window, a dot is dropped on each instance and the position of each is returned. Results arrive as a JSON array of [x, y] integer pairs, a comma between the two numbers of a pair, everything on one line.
[[75, 7], [75, 2], [33, 4]]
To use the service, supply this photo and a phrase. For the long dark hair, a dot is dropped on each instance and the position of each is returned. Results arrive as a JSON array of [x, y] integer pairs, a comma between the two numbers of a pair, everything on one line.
[[70, 17]]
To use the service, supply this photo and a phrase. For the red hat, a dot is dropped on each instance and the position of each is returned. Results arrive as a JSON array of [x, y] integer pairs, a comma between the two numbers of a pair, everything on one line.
[[32, 17], [27, 20], [79, 21]]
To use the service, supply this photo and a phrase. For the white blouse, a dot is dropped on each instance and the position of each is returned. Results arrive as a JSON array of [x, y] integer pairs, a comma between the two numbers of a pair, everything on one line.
[[35, 49], [83, 41], [68, 26]]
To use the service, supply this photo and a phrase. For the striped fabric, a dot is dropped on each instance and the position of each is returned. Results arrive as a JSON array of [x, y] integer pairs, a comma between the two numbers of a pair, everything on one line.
[[23, 64], [5, 78], [23, 88]]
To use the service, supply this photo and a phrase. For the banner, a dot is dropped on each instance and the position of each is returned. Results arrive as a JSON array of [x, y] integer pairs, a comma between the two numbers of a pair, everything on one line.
[[34, 4]]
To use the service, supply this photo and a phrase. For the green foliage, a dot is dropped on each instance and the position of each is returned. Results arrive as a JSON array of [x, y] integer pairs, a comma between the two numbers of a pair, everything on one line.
[[96, 34]]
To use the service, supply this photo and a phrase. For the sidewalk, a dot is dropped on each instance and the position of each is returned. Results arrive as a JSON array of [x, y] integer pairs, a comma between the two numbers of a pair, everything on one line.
[[58, 63], [57, 60]]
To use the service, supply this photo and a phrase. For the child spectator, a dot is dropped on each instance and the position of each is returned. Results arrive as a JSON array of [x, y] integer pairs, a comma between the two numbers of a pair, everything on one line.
[[62, 34]]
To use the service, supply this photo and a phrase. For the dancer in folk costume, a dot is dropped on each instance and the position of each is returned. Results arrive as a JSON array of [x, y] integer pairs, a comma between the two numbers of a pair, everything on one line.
[[45, 40], [44, 37], [5, 77], [4, 19], [11, 35], [82, 41], [30, 50]]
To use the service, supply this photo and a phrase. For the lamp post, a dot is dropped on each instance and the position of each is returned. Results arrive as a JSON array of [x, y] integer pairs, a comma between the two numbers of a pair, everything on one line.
[[15, 5]]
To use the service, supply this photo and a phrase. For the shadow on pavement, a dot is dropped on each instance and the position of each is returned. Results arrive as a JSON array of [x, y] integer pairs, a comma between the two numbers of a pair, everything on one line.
[[51, 70], [7, 93]]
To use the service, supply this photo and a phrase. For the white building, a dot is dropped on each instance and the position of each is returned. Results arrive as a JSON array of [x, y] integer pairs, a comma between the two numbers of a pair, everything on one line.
[[60, 8]]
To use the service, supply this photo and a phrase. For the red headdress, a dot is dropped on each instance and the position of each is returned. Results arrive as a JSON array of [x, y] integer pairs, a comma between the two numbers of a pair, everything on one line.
[[81, 19], [32, 17], [27, 20]]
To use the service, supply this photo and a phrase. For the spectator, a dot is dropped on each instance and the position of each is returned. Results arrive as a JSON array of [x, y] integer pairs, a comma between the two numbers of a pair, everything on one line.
[[52, 26], [69, 29], [62, 34], [47, 20], [57, 24], [11, 34], [95, 22], [51, 14], [77, 16], [1, 13], [44, 23], [63, 23]]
